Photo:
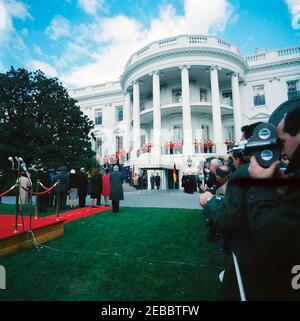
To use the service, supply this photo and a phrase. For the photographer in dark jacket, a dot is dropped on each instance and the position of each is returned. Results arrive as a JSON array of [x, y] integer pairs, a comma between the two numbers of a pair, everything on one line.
[[229, 214], [275, 220]]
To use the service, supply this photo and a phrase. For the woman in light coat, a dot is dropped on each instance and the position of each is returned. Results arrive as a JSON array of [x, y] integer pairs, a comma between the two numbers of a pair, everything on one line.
[[24, 184]]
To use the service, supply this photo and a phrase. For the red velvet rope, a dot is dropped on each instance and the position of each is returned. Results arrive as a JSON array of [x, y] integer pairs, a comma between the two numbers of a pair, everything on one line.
[[37, 193], [6, 192]]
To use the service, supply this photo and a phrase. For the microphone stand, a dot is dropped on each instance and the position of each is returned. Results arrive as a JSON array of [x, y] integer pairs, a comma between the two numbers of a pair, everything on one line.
[[17, 194], [30, 231]]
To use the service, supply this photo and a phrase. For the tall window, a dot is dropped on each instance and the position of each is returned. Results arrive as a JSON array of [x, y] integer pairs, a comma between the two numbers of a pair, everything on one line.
[[119, 113], [178, 132], [99, 146], [177, 95], [227, 98], [259, 95], [119, 143], [205, 132], [142, 106], [229, 132], [98, 117], [293, 88], [143, 140], [203, 94]]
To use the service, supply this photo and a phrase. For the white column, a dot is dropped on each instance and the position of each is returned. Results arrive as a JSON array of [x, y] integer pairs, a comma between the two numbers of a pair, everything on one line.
[[186, 112], [216, 111], [127, 118], [236, 104], [136, 118], [156, 117]]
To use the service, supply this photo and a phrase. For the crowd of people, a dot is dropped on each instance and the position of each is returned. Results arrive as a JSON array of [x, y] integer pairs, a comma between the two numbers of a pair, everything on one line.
[[254, 212], [73, 188]]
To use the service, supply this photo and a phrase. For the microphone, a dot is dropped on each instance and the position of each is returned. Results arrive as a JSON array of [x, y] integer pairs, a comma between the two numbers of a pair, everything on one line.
[[23, 166], [12, 163]]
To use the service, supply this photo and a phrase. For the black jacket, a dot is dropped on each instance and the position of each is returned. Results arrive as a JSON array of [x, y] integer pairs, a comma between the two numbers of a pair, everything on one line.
[[275, 224], [82, 180], [230, 216]]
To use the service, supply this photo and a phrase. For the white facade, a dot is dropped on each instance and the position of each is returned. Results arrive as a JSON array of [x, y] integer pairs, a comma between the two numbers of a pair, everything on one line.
[[183, 90]]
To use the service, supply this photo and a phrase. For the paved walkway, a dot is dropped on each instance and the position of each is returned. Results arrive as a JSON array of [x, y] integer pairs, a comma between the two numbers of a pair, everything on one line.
[[148, 198]]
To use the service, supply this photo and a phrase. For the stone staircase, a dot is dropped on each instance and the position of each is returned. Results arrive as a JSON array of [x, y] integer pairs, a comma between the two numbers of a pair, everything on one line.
[[128, 188]]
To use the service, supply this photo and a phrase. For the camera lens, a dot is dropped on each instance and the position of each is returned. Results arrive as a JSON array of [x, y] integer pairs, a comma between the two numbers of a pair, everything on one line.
[[266, 155], [264, 133]]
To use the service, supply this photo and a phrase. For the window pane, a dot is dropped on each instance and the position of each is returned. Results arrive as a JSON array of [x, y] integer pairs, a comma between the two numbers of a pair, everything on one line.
[[99, 146], [203, 94], [119, 143], [293, 89], [119, 113], [259, 95], [176, 94], [98, 118]]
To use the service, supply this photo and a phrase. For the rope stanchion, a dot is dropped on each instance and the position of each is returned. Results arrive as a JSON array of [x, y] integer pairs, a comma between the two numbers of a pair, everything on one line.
[[47, 188], [57, 200], [37, 202], [37, 193], [17, 206], [6, 192]]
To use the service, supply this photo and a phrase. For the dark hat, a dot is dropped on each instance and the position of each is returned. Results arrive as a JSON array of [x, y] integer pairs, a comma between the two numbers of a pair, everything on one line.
[[283, 109]]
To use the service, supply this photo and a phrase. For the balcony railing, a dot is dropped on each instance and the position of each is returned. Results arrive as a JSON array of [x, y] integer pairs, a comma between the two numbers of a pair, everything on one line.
[[172, 148], [146, 148], [204, 146]]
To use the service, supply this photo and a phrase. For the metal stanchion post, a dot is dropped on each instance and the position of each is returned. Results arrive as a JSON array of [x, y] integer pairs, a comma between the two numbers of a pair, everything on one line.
[[57, 199], [37, 202], [17, 204]]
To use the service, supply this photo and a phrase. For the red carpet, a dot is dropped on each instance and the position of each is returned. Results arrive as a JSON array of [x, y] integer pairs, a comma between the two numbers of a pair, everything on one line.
[[7, 222]]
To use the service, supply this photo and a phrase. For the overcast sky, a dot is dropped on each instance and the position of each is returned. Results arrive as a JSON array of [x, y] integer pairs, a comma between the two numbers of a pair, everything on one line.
[[85, 42]]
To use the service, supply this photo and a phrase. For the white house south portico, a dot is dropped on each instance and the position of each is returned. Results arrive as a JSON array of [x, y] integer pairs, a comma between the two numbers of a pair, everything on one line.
[[182, 97]]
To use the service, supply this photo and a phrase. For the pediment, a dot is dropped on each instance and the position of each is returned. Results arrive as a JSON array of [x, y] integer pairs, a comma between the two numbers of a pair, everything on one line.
[[260, 116]]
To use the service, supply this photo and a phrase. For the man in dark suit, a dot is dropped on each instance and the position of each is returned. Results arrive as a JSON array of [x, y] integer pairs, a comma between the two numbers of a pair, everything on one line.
[[116, 188], [82, 186], [157, 181]]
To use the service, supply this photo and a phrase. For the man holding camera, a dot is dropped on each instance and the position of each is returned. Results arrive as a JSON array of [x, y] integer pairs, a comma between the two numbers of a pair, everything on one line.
[[230, 216], [274, 219]]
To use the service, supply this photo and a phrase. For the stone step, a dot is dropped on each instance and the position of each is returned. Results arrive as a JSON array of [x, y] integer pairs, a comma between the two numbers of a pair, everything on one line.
[[128, 188]]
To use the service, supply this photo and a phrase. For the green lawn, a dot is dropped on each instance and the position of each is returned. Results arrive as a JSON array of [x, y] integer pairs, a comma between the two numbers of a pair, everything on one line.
[[137, 254]]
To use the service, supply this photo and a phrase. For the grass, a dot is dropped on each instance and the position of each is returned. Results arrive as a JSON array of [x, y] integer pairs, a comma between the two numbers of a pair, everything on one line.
[[137, 254]]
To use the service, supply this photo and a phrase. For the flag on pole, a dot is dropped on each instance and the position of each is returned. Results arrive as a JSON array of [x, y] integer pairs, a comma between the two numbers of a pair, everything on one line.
[[174, 174]]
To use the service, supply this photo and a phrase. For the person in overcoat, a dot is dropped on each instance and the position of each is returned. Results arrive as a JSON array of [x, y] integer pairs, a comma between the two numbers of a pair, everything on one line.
[[116, 188], [96, 187]]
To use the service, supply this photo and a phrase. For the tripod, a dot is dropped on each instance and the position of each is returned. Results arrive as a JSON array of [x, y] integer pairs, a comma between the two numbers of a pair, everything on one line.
[[32, 240]]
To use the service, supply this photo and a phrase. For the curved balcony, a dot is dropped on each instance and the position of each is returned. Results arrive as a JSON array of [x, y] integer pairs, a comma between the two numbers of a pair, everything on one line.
[[182, 41]]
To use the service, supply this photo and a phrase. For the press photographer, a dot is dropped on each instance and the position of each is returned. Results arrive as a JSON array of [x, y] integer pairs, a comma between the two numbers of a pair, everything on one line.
[[275, 220], [229, 216]]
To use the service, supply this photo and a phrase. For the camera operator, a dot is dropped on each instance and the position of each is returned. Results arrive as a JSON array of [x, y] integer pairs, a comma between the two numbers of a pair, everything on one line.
[[229, 214], [210, 181], [275, 220]]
